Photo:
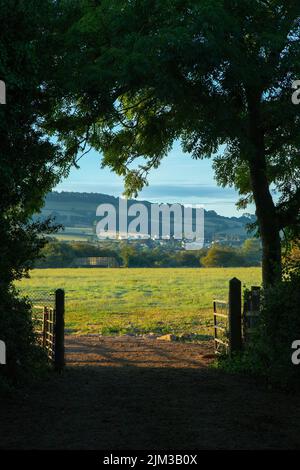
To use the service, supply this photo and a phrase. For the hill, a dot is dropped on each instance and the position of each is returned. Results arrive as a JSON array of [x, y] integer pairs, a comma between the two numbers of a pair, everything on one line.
[[76, 212]]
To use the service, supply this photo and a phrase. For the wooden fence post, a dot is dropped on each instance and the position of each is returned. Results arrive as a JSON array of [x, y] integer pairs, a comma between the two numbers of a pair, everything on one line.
[[45, 322], [59, 355], [235, 315]]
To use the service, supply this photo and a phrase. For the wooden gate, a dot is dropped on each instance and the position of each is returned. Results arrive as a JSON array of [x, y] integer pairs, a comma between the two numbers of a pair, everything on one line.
[[251, 311], [221, 338], [232, 327], [48, 316], [49, 320]]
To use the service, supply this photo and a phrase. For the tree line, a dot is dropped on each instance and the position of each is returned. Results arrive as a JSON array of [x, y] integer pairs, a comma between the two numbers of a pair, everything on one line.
[[62, 254]]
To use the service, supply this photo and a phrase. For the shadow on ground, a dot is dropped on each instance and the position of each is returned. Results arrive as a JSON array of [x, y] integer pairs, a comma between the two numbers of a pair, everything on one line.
[[164, 405]]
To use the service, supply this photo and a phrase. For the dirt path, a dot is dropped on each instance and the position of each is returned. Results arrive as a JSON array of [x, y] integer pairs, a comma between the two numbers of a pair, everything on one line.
[[147, 352], [129, 393]]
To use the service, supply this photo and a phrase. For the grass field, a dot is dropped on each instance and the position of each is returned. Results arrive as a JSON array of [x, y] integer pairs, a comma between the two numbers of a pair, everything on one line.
[[117, 301]]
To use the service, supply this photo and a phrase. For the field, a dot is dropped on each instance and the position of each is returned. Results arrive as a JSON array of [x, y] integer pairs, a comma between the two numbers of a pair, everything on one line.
[[138, 301]]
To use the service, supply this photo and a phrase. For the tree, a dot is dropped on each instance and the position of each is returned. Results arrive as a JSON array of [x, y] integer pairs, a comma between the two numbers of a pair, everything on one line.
[[30, 163], [251, 250], [188, 258], [128, 254], [292, 259], [211, 73], [222, 256]]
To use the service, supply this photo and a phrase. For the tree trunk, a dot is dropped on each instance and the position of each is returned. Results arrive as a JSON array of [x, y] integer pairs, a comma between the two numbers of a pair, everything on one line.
[[265, 207], [268, 225]]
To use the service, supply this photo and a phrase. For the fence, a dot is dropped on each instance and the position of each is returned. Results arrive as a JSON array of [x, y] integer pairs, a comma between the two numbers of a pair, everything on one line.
[[48, 318], [221, 326], [232, 327], [251, 311]]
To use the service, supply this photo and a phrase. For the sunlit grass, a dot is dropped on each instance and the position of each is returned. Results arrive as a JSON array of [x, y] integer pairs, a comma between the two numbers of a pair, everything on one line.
[[116, 301]]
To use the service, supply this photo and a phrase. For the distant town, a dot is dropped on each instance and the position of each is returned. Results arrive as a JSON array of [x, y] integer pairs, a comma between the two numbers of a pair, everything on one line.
[[76, 212]]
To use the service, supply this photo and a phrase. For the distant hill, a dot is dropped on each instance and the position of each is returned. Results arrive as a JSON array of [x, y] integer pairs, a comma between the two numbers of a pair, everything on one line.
[[76, 212]]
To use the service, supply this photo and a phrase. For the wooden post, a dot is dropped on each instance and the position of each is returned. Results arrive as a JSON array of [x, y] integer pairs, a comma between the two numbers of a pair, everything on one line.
[[215, 326], [45, 325], [59, 355], [235, 315]]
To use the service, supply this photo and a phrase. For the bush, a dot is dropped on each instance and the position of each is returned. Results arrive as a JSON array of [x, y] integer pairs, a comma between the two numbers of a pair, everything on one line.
[[222, 256], [269, 352], [280, 327], [24, 357]]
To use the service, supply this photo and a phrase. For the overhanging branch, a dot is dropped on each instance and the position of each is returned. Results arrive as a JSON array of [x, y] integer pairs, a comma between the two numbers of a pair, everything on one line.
[[288, 212]]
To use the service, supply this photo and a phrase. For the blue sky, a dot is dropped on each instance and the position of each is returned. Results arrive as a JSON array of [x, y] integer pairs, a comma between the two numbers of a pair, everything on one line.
[[178, 179]]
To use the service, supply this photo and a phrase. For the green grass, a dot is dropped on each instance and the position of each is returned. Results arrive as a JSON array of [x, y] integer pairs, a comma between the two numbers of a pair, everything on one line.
[[117, 301]]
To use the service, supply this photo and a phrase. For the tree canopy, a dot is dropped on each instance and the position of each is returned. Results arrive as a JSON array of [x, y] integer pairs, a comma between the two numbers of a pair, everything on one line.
[[214, 74], [30, 163]]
